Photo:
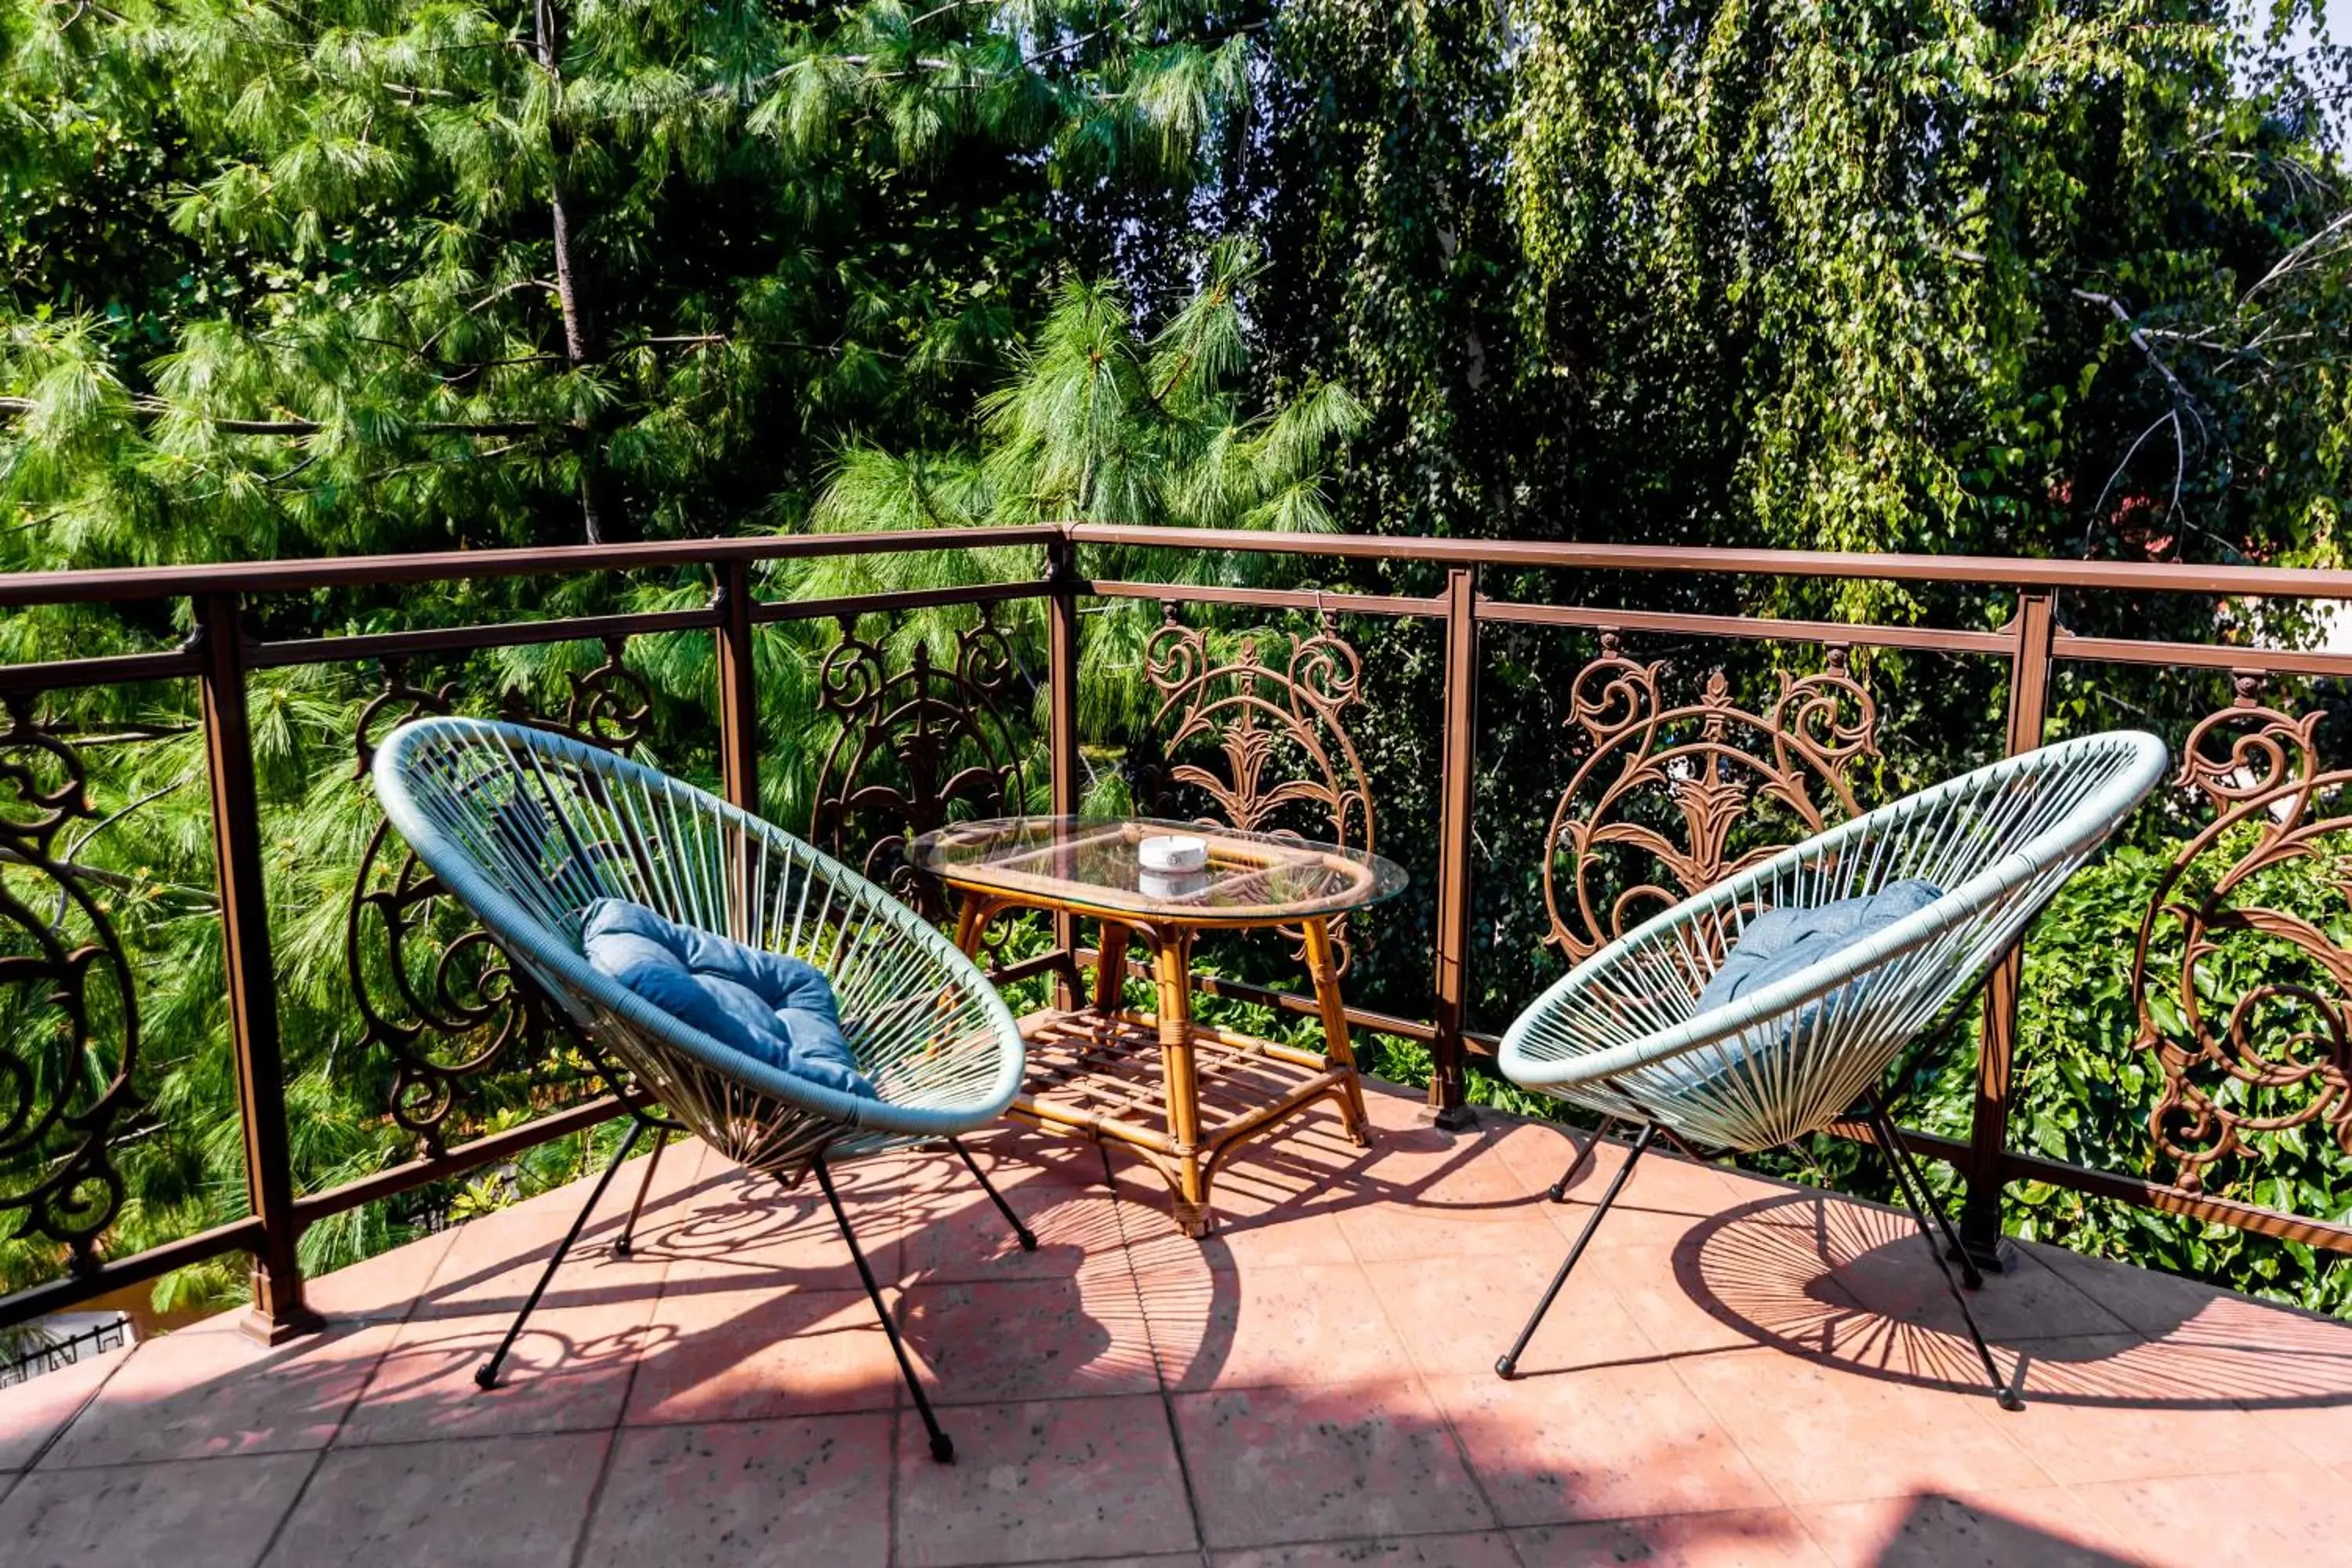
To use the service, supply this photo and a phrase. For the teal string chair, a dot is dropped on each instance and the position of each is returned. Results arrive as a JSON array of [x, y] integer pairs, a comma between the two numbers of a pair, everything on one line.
[[528, 828], [1622, 1032]]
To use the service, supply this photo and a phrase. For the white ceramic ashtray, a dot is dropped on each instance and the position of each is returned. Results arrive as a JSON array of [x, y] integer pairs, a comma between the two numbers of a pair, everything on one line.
[[1173, 852]]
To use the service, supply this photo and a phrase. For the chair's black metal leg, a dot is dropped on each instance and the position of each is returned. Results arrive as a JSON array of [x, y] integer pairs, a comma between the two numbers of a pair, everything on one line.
[[1558, 1191], [1508, 1366], [487, 1375], [1028, 1242], [1900, 1153], [627, 1241], [1922, 1204], [942, 1446]]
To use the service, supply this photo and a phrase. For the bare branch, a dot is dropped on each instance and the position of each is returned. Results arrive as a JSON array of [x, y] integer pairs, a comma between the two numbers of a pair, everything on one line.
[[2139, 338], [2298, 256]]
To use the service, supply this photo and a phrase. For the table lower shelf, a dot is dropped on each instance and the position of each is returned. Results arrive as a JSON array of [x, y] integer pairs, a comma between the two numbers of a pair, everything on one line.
[[1103, 1076]]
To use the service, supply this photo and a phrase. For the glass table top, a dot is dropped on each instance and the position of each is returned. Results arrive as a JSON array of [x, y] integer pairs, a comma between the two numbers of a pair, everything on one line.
[[1099, 864]]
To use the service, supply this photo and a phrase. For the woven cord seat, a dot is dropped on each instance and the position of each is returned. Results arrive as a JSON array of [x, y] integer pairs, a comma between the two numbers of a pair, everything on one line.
[[1622, 1032], [528, 829]]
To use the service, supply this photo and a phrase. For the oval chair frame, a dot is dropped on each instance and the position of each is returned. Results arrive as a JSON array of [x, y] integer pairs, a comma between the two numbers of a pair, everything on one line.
[[1621, 1033], [926, 1026]]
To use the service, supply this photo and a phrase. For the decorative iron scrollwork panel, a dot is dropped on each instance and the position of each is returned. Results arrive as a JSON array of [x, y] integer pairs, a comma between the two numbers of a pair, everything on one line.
[[913, 750], [433, 990], [1258, 747], [2243, 1002], [68, 1014], [1669, 800]]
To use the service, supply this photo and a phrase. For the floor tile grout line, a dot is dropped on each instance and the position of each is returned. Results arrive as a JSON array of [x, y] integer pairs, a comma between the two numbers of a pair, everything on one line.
[[613, 1433], [2124, 1324], [374, 1370], [901, 1403], [1764, 1475], [1159, 1371], [1184, 1476], [595, 1496], [277, 1531], [890, 1514], [1452, 1431], [1715, 1416], [57, 1435]]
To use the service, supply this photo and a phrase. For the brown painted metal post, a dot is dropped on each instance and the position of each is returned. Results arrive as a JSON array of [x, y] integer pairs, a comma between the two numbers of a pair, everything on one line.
[[1062, 719], [2035, 628], [1446, 1102], [739, 732], [739, 689], [278, 1312]]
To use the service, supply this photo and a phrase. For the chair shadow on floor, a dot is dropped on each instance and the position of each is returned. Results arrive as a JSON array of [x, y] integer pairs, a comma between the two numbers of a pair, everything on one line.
[[1851, 1285], [1847, 1284]]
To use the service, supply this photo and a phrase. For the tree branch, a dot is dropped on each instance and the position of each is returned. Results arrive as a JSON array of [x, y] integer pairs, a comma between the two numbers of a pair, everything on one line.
[[155, 408], [2138, 336]]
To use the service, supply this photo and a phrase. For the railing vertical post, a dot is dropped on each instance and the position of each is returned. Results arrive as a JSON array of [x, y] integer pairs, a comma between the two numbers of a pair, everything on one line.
[[1448, 1105], [278, 1312], [739, 689], [1061, 717], [2034, 629], [739, 732]]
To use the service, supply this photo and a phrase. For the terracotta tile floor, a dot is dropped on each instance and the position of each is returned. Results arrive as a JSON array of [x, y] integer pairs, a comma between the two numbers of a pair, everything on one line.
[[1740, 1373]]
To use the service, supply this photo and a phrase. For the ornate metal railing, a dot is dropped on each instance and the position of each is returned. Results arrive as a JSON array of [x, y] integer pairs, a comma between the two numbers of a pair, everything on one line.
[[55, 1356], [1668, 773]]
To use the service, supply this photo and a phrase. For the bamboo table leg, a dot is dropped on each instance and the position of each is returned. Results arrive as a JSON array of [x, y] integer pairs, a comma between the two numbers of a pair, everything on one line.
[[1173, 970], [1110, 967], [972, 923], [1337, 1050]]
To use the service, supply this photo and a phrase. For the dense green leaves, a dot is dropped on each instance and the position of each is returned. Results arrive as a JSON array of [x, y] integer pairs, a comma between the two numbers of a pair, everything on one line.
[[464, 274]]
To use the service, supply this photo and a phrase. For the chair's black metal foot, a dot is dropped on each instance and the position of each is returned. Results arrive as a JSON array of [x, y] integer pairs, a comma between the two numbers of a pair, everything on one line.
[[1020, 1232], [2008, 1399], [487, 1376], [1558, 1191], [1508, 1367], [625, 1244]]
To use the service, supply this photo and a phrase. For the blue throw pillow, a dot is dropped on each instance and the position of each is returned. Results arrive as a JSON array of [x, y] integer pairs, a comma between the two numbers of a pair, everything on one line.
[[1778, 944], [772, 1008]]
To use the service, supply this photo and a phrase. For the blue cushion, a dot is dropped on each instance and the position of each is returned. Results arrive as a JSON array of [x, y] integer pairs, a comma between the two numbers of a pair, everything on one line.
[[772, 1008], [1778, 944]]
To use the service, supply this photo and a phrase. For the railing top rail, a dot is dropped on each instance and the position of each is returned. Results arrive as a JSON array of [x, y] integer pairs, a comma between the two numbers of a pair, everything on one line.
[[121, 585], [2013, 572]]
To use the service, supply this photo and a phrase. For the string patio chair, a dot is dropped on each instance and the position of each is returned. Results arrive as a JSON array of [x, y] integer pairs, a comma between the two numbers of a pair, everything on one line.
[[1623, 1032], [528, 829]]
